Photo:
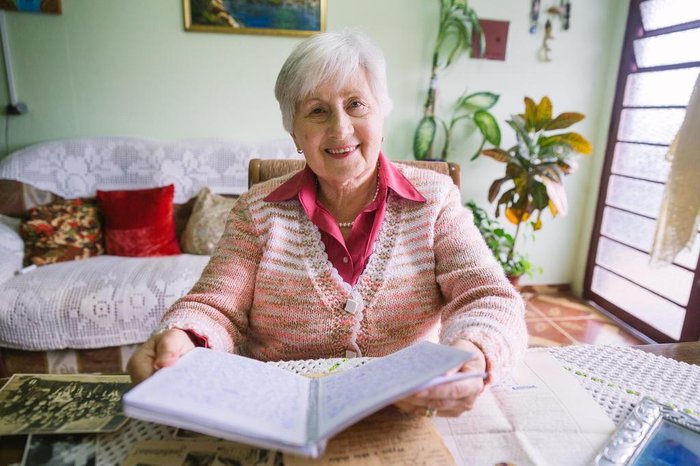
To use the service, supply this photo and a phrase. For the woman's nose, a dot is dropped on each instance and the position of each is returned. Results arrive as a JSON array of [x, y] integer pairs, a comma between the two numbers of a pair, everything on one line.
[[340, 125]]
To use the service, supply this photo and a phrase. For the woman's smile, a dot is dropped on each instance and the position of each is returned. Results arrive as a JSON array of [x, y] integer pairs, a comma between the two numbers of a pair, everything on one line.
[[341, 152]]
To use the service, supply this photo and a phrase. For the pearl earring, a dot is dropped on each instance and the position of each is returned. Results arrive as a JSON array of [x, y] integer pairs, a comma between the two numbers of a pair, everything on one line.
[[299, 151]]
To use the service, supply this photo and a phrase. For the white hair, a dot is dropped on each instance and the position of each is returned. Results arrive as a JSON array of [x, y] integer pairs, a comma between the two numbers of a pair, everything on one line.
[[330, 57]]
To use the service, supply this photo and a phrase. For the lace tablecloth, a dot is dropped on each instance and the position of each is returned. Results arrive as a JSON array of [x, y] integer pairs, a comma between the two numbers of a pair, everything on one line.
[[617, 377]]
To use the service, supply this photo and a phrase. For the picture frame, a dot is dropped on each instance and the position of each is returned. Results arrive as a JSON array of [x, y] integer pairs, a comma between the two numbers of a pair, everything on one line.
[[653, 433], [32, 6], [271, 17]]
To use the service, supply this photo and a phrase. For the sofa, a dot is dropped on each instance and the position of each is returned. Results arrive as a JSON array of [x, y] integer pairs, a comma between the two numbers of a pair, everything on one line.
[[88, 313]]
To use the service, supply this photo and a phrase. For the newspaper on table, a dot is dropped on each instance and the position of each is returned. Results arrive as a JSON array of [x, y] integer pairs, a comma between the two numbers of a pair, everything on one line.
[[387, 438], [199, 451], [541, 417]]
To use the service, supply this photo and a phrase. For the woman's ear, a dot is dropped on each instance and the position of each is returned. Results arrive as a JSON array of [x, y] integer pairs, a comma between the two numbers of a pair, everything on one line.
[[294, 138], [299, 151]]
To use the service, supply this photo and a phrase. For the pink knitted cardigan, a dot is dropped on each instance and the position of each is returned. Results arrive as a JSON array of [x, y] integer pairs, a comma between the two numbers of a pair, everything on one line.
[[269, 291]]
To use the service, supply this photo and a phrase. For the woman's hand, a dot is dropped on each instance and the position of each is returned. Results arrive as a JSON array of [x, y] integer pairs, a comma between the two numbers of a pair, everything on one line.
[[161, 350], [454, 398]]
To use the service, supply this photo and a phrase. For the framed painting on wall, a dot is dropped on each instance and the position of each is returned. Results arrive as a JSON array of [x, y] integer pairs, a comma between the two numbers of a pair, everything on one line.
[[32, 6], [275, 17]]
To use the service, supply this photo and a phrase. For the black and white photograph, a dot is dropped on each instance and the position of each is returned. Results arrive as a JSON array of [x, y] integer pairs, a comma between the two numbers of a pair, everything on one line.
[[36, 404], [60, 450]]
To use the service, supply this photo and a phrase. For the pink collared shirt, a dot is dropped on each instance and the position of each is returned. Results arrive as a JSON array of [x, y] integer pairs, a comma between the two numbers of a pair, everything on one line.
[[349, 258]]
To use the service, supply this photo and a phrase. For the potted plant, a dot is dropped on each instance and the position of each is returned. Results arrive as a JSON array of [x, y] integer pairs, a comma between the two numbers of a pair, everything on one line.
[[458, 26], [536, 165], [502, 245]]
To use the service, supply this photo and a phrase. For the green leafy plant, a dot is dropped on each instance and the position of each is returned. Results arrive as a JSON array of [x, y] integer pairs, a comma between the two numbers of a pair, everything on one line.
[[536, 165], [501, 243], [458, 25]]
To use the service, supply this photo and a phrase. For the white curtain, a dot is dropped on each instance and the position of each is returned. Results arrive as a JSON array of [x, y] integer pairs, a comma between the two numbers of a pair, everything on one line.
[[679, 217]]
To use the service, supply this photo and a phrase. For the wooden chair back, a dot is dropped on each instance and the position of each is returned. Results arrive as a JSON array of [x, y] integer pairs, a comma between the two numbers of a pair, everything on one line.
[[265, 169]]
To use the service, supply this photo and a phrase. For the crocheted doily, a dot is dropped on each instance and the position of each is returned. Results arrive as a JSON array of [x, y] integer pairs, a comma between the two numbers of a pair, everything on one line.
[[618, 377]]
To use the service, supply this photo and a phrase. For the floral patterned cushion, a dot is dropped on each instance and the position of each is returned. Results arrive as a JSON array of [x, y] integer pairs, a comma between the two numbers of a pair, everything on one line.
[[62, 231], [206, 223], [11, 247]]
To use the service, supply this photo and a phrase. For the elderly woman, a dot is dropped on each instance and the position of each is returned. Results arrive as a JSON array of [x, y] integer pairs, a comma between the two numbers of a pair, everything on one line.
[[353, 255]]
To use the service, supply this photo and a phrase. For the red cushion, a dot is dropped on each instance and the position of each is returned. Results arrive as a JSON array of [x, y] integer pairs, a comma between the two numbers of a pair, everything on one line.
[[139, 223]]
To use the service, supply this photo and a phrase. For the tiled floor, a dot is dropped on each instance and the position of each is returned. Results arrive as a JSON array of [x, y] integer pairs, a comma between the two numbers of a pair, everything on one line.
[[555, 318]]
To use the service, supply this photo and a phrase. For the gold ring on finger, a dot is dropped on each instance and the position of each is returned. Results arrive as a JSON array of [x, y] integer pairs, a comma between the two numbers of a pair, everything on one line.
[[430, 412]]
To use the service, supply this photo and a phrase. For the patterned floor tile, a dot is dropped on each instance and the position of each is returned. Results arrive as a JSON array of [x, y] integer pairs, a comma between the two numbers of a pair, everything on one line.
[[596, 332], [559, 310], [543, 333], [532, 313], [554, 317]]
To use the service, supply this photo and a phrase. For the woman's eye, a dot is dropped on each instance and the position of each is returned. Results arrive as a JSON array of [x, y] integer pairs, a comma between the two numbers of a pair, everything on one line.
[[317, 111], [357, 107]]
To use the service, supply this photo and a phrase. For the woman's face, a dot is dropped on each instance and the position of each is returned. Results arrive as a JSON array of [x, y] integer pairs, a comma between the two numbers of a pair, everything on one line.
[[340, 131]]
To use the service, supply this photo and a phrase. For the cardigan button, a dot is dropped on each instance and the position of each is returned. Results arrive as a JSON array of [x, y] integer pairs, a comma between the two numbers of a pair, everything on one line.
[[351, 306]]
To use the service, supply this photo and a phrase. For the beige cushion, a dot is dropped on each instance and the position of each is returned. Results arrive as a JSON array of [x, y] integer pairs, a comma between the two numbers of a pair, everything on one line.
[[16, 198], [206, 224]]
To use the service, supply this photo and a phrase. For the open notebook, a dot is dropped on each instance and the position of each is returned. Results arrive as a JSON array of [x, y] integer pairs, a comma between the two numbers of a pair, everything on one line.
[[245, 400]]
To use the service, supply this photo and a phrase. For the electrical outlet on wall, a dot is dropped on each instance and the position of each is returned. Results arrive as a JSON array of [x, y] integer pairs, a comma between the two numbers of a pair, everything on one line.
[[17, 109], [495, 37]]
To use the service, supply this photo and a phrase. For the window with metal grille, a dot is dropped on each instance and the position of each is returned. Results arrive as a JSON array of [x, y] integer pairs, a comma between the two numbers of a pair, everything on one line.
[[659, 66]]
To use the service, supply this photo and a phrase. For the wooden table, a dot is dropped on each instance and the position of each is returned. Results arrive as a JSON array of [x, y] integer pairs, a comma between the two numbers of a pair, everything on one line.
[[685, 352]]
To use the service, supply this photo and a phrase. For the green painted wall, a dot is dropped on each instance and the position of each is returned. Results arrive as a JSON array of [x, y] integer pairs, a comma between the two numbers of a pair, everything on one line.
[[127, 67]]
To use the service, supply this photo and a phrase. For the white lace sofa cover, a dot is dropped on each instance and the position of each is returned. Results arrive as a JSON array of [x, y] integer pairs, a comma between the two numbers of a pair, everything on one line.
[[108, 300], [103, 301], [78, 167]]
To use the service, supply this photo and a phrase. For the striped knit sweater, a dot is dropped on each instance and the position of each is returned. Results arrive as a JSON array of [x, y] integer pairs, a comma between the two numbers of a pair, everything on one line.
[[269, 291]]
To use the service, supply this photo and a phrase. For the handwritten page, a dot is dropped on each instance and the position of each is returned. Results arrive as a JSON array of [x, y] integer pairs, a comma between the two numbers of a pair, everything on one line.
[[248, 395], [351, 395], [387, 438], [541, 417]]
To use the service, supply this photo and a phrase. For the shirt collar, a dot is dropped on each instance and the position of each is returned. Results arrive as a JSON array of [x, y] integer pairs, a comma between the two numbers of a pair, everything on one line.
[[303, 184], [293, 186], [397, 182]]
